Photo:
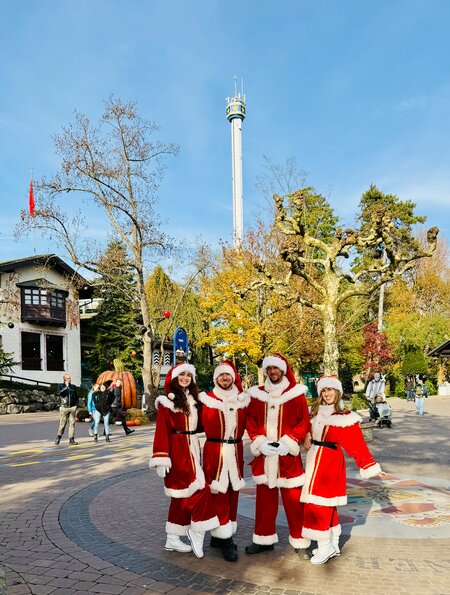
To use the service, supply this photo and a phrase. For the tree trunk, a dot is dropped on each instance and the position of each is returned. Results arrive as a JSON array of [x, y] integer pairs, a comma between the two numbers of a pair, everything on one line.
[[329, 312]]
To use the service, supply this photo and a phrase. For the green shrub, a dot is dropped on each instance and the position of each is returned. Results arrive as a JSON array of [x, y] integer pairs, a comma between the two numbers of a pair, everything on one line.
[[358, 401]]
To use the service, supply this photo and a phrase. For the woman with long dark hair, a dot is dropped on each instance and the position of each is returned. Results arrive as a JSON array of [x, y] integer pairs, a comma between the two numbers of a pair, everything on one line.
[[176, 457]]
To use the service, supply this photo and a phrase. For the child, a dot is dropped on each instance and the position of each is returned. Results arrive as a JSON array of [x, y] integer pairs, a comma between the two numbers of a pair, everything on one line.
[[176, 457], [333, 428]]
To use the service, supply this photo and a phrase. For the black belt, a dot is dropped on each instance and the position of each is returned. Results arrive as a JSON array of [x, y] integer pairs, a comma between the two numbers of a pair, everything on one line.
[[332, 445], [229, 441], [189, 432]]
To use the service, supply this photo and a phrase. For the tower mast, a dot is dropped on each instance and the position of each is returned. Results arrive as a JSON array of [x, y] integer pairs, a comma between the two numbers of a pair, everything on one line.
[[235, 114]]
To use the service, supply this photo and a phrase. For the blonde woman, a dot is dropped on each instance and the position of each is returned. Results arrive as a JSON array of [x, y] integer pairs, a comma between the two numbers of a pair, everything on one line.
[[332, 429]]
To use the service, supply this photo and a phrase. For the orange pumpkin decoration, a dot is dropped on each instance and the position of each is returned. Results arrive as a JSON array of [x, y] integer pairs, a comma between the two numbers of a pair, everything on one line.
[[130, 422], [137, 422], [129, 396]]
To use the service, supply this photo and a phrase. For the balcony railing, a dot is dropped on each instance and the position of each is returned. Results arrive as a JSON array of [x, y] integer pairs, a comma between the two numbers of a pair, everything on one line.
[[44, 315]]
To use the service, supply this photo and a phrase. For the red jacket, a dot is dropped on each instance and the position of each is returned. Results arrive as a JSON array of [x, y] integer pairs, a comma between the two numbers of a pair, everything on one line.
[[179, 452], [283, 418], [325, 482], [224, 415]]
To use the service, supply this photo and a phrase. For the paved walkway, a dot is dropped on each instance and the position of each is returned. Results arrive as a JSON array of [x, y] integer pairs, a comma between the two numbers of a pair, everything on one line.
[[90, 519]]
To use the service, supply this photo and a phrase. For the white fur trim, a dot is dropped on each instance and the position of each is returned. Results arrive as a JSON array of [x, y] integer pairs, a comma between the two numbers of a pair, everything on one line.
[[165, 402], [312, 499], [315, 534], [265, 539], [343, 420], [299, 543], [223, 369], [157, 461], [273, 360], [336, 531], [257, 393], [197, 484], [293, 445], [229, 472], [183, 368], [241, 400], [173, 529], [254, 446], [221, 486], [329, 382], [291, 482], [207, 525], [223, 531], [371, 471], [260, 479], [234, 526]]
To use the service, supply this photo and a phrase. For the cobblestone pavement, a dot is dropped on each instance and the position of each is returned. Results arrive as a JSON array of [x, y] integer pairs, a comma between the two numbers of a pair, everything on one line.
[[90, 519]]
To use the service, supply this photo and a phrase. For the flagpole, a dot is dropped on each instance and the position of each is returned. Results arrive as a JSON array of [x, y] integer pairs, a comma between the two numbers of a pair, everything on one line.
[[34, 229]]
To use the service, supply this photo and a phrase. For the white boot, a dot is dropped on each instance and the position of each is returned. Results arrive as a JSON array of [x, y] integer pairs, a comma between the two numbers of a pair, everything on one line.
[[334, 543], [325, 551], [196, 538], [174, 544]]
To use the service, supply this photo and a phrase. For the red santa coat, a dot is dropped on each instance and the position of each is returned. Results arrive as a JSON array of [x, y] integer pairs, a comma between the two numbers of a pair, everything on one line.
[[283, 418], [179, 452], [224, 415], [325, 481]]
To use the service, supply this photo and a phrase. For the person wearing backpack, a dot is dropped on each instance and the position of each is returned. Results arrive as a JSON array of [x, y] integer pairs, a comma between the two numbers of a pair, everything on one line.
[[102, 400]]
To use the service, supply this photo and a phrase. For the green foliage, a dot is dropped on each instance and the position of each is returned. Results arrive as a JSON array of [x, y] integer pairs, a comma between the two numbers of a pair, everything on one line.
[[6, 361], [116, 326], [414, 362], [358, 401]]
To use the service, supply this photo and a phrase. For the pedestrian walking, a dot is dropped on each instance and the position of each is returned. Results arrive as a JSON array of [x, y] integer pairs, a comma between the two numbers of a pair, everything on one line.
[[102, 399], [117, 413], [420, 398], [176, 457], [277, 423], [410, 388], [68, 398], [333, 429], [376, 388], [91, 408], [224, 414]]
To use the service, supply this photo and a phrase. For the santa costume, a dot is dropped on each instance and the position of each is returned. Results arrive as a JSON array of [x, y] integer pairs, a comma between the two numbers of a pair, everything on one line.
[[224, 414], [325, 478], [277, 423], [176, 456]]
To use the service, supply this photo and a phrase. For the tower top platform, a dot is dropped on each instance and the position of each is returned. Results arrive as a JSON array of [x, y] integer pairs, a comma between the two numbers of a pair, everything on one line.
[[236, 107]]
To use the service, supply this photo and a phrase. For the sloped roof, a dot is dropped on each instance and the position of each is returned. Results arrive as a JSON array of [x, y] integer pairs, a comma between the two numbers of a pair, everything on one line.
[[54, 262], [443, 350]]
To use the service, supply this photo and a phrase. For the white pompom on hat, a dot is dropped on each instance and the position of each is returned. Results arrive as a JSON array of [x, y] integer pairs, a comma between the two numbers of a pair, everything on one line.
[[331, 381]]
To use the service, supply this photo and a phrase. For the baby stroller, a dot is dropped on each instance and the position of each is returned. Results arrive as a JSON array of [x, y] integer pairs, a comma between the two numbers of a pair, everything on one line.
[[380, 412]]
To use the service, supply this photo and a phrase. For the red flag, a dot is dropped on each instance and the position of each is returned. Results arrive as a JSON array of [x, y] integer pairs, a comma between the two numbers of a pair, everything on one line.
[[31, 199]]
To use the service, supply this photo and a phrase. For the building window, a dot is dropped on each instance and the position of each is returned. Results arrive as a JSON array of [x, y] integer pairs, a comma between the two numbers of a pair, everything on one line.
[[54, 352], [31, 351], [35, 297]]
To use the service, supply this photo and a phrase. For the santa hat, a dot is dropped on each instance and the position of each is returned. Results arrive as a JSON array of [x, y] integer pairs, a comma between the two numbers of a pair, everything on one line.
[[331, 381], [280, 362], [228, 367], [176, 371]]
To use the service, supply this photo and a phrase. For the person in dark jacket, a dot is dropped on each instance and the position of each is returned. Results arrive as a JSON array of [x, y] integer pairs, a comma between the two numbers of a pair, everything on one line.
[[115, 388], [67, 393], [102, 400]]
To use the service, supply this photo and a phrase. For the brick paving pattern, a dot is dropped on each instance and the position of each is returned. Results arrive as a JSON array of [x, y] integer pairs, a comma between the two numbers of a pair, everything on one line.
[[90, 519]]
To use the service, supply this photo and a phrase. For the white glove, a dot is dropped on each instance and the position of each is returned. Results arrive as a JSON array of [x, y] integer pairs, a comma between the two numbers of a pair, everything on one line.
[[267, 450], [162, 470], [282, 449]]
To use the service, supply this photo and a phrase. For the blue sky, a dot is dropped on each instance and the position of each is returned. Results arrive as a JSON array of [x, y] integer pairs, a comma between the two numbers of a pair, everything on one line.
[[358, 92]]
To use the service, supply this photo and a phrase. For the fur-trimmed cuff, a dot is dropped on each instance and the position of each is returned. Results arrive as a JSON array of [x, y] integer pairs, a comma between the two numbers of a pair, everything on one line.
[[223, 531], [174, 529], [197, 484], [335, 531], [371, 471], [254, 446], [291, 482], [293, 445], [299, 543], [207, 525], [157, 461], [265, 539], [315, 534], [234, 526], [321, 501]]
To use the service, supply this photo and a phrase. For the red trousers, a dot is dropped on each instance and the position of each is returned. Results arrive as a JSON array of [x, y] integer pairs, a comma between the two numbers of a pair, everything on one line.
[[266, 515], [195, 512], [321, 522], [226, 506]]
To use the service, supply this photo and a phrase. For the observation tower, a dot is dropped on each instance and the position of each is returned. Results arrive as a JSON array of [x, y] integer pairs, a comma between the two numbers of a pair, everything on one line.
[[235, 114]]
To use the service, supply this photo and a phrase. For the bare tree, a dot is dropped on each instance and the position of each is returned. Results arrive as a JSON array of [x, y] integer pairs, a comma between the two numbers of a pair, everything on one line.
[[116, 165]]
